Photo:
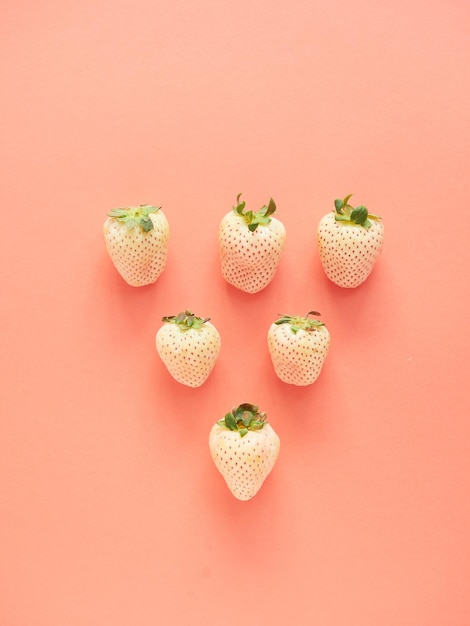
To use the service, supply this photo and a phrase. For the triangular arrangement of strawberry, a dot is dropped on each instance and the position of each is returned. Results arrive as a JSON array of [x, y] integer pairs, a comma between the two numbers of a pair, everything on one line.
[[244, 448], [137, 242], [251, 244], [349, 241]]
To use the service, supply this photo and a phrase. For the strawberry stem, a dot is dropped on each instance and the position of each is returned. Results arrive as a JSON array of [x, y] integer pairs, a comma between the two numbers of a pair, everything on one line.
[[298, 322], [186, 320], [244, 418], [359, 215], [254, 219], [135, 216]]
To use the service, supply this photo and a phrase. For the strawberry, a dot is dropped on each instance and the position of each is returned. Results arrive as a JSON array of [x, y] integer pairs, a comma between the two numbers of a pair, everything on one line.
[[349, 241], [137, 241], [251, 244], [188, 346], [244, 448], [298, 347]]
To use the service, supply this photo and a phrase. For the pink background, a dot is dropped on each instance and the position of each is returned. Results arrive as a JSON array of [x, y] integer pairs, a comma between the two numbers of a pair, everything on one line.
[[111, 510]]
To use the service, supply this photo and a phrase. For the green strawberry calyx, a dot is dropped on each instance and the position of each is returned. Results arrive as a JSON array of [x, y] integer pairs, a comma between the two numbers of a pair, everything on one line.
[[186, 320], [359, 215], [254, 219], [244, 418], [135, 216], [298, 322]]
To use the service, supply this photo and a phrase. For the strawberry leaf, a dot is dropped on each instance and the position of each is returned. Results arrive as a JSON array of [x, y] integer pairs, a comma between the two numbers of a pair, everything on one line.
[[149, 208], [359, 215], [339, 205], [271, 208], [247, 417], [263, 221], [146, 224], [240, 205], [246, 406], [342, 217], [230, 422], [118, 213]]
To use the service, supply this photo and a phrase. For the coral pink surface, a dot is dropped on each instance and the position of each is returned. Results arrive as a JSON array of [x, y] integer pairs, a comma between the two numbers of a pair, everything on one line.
[[112, 512]]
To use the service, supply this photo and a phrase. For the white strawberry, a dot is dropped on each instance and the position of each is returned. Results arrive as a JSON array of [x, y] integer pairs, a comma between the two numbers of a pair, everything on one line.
[[244, 448], [349, 241], [251, 244], [298, 347], [137, 242], [188, 346]]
